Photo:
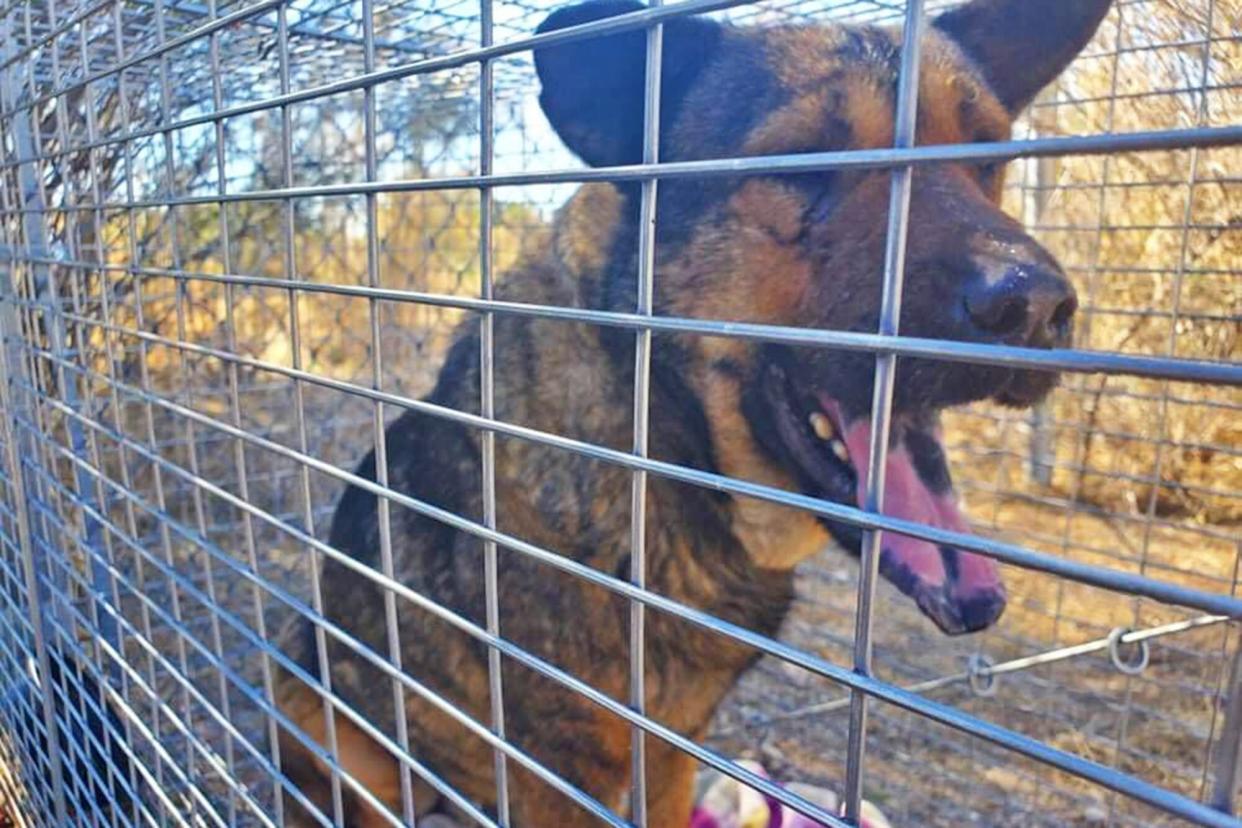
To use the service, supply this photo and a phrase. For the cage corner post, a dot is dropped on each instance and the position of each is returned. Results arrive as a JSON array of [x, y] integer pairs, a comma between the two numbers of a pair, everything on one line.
[[43, 293], [1228, 769], [26, 246], [10, 335]]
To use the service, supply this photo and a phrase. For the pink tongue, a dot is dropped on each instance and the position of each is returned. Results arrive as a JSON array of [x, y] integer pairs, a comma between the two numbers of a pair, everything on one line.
[[906, 496]]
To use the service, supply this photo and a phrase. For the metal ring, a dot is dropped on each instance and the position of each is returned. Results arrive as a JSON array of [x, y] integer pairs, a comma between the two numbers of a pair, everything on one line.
[[1134, 665], [979, 674]]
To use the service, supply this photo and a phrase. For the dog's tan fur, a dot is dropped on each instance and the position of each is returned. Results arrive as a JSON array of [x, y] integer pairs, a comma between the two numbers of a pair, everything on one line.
[[751, 254]]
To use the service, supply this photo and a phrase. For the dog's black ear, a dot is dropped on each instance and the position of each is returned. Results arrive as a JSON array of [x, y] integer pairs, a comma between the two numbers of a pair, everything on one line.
[[593, 89], [1022, 45]]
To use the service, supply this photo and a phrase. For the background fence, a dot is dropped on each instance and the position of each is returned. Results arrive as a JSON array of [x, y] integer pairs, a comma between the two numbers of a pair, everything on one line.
[[151, 344]]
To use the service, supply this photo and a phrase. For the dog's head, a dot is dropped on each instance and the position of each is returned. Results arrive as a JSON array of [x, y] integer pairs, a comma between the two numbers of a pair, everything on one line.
[[809, 249]]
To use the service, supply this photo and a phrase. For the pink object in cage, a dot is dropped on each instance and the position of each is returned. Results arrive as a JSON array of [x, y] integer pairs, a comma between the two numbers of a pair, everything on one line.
[[723, 802]]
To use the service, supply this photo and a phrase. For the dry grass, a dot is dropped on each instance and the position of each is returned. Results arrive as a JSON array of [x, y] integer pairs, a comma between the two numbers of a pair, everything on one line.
[[12, 791]]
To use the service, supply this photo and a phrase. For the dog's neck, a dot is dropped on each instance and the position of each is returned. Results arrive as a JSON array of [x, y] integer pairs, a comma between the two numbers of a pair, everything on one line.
[[705, 548]]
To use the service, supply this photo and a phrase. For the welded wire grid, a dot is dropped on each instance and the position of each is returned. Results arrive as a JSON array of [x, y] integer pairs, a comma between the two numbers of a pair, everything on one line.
[[236, 237]]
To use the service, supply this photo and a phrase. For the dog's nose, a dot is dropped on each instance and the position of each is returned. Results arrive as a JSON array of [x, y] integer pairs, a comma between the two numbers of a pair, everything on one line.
[[1021, 303], [982, 610]]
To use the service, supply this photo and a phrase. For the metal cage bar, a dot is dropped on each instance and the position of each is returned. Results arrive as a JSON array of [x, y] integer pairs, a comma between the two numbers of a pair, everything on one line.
[[1076, 361], [645, 293], [487, 398], [1008, 553], [904, 125], [1205, 137]]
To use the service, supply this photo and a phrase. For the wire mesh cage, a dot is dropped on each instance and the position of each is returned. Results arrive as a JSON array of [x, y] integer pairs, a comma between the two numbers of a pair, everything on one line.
[[238, 238]]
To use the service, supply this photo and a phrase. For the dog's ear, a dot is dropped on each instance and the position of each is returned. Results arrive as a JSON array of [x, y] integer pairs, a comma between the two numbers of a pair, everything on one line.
[[592, 89], [1022, 45]]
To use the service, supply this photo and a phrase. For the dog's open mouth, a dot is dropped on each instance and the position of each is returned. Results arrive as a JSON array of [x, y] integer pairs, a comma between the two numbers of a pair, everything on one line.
[[830, 451]]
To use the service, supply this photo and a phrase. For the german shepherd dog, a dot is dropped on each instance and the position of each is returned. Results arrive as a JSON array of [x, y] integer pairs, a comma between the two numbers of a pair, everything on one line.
[[801, 250]]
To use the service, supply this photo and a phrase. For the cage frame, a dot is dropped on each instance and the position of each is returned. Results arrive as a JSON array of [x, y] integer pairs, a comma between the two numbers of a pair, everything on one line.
[[31, 452]]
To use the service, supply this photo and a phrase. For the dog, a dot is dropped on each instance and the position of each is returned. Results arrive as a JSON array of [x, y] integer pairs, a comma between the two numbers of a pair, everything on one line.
[[804, 249]]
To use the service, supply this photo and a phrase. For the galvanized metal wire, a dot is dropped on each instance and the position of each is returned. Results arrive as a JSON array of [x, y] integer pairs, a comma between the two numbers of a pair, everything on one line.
[[151, 461]]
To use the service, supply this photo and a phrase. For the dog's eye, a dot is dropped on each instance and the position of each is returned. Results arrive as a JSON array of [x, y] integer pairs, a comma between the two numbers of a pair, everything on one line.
[[988, 172]]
